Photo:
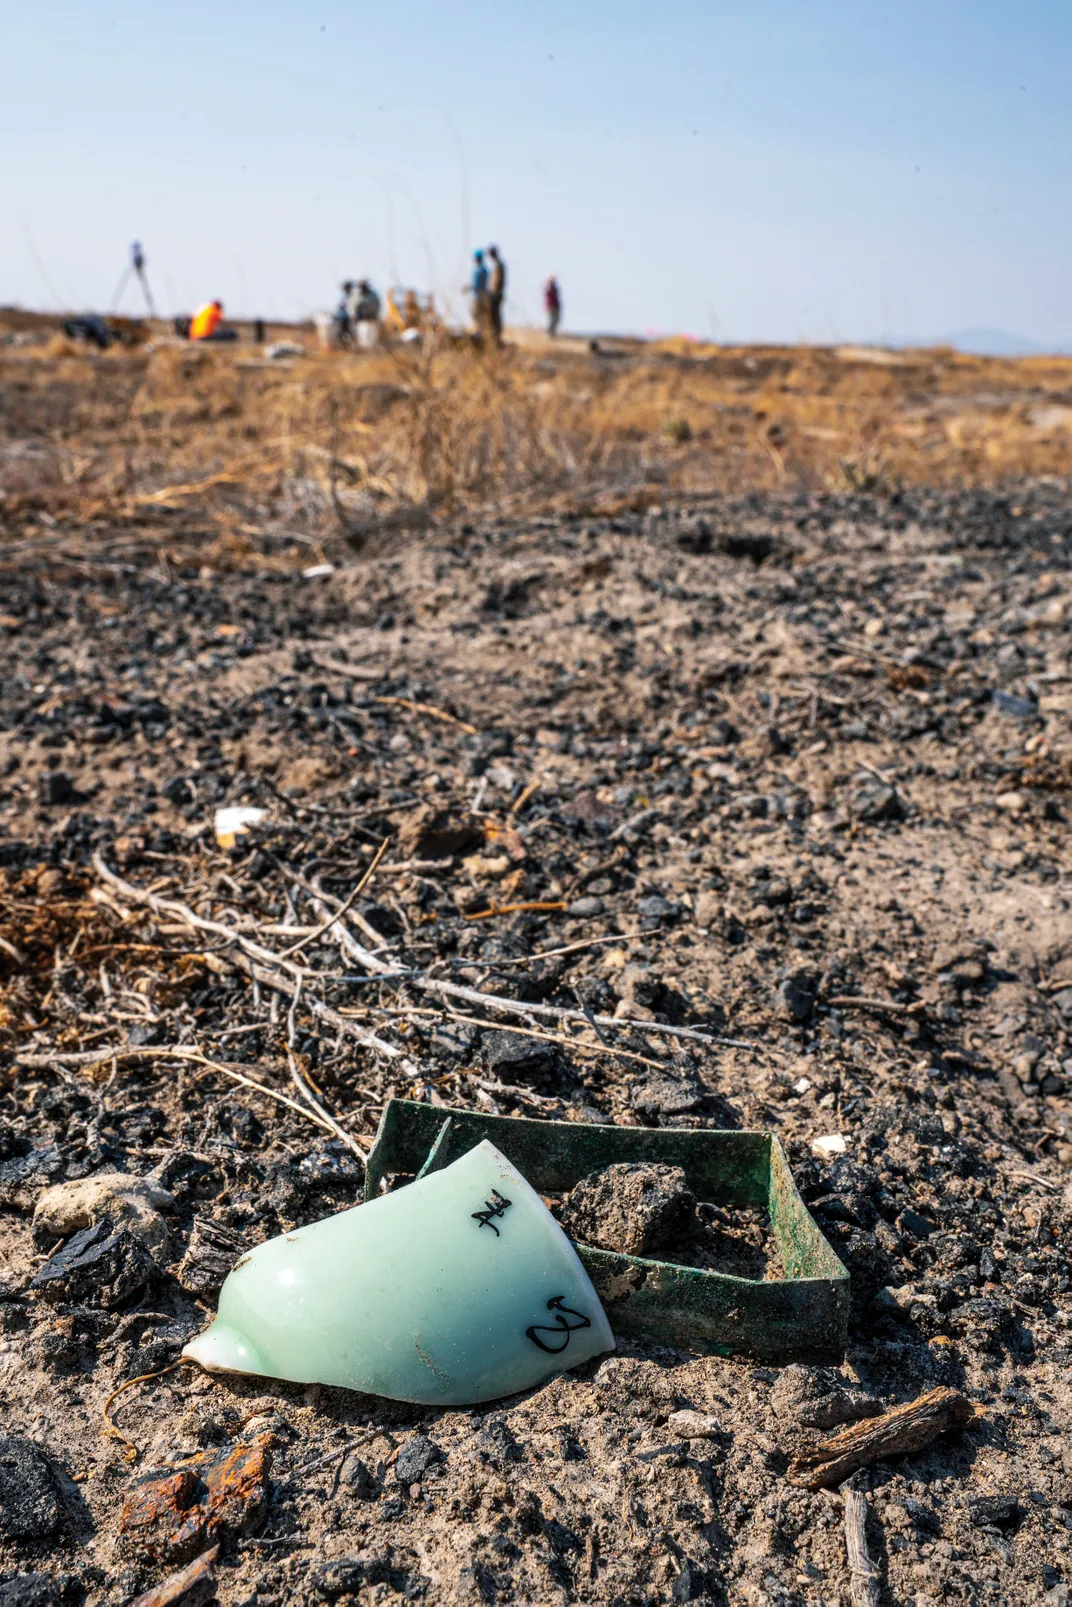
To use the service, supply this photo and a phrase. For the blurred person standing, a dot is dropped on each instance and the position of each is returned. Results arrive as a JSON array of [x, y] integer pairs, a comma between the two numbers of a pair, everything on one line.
[[364, 303], [552, 302], [343, 327], [496, 294], [478, 291]]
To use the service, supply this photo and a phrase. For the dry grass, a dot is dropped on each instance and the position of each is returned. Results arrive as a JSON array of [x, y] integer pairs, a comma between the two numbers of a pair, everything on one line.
[[362, 441]]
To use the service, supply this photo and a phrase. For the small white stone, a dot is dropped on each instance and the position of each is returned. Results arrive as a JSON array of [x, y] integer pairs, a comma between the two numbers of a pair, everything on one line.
[[830, 1144], [129, 1201], [693, 1425]]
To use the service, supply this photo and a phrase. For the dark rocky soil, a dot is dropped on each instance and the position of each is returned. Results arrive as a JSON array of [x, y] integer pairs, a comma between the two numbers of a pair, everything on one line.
[[807, 764]]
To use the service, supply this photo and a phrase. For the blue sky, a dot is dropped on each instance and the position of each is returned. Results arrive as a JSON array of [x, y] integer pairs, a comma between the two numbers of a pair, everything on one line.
[[752, 170]]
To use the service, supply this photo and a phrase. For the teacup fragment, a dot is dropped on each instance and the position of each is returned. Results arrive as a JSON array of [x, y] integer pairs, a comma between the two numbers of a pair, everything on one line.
[[458, 1288]]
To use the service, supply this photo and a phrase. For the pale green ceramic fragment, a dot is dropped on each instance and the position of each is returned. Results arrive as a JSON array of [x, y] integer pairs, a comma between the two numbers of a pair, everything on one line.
[[458, 1288]]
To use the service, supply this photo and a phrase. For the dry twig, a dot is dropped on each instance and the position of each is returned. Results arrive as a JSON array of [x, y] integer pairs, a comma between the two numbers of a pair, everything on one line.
[[130, 1450], [326, 926], [326, 1119], [326, 900], [558, 1038], [523, 797], [386, 972], [863, 1575], [427, 708], [860, 1001], [89, 1059], [512, 909], [302, 1086], [194, 1583]]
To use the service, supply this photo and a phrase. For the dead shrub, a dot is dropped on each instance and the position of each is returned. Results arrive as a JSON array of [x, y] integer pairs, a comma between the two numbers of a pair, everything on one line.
[[372, 436]]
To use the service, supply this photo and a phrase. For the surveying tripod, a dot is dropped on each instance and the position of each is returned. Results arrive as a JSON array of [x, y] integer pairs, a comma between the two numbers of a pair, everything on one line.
[[136, 265]]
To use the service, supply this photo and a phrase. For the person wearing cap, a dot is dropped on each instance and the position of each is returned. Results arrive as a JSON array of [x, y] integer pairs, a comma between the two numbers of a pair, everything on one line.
[[206, 321]]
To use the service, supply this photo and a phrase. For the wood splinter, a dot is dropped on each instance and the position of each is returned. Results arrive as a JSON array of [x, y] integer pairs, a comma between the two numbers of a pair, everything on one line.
[[911, 1427], [192, 1584], [863, 1575]]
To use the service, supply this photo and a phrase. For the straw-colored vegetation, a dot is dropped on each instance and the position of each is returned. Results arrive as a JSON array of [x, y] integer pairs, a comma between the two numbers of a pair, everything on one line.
[[352, 443]]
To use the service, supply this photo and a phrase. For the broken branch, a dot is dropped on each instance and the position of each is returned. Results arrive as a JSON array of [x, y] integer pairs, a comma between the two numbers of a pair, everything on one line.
[[319, 931]]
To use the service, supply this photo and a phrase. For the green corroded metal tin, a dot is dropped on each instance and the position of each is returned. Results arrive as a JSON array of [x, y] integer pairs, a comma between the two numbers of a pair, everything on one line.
[[801, 1317]]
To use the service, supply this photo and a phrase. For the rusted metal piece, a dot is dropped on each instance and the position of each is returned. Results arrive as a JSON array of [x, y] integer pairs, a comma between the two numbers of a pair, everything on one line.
[[803, 1316], [190, 1587], [168, 1515], [906, 1428]]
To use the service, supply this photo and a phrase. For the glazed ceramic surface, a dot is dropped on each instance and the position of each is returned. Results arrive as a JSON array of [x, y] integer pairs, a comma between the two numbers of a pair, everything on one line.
[[458, 1288]]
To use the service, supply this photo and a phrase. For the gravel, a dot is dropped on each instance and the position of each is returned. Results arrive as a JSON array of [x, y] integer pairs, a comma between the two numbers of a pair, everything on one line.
[[772, 755], [635, 1209]]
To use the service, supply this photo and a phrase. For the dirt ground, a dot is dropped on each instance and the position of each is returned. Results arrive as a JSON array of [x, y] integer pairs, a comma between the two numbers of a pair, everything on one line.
[[801, 764]]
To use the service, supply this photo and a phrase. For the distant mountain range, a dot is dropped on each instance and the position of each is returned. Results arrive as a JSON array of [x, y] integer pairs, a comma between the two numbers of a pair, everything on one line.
[[982, 343]]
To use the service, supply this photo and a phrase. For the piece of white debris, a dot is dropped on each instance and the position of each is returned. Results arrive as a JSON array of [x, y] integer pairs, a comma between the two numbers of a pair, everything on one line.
[[318, 571], [802, 1085], [693, 1425], [234, 822], [829, 1144]]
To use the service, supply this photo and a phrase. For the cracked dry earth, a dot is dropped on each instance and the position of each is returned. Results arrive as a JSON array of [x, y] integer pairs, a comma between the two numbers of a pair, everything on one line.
[[804, 764]]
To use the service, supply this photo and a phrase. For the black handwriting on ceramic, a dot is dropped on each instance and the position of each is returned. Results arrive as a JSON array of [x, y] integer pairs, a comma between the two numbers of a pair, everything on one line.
[[496, 1206], [562, 1326]]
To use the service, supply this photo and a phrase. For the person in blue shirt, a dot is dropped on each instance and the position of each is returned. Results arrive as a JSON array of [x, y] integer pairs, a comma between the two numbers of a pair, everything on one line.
[[478, 289]]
